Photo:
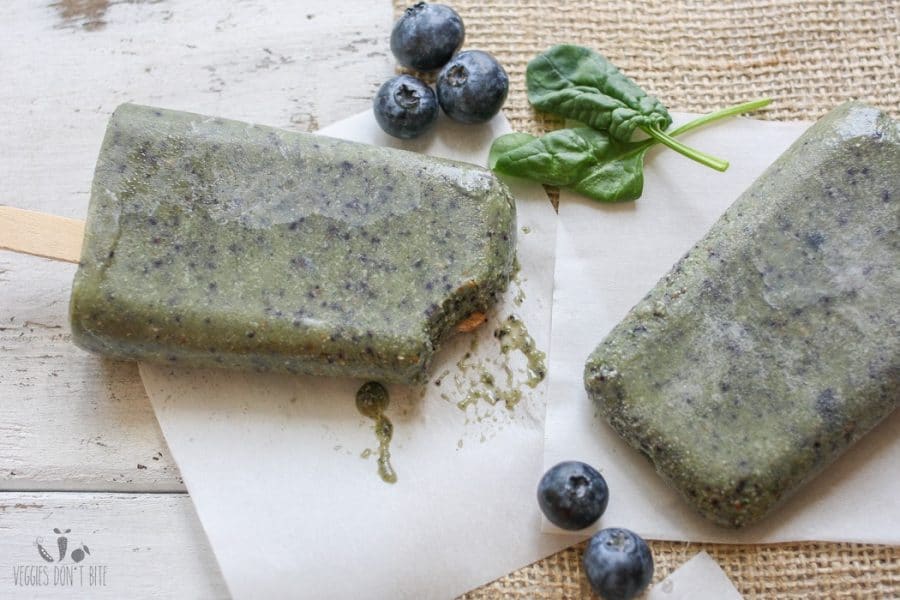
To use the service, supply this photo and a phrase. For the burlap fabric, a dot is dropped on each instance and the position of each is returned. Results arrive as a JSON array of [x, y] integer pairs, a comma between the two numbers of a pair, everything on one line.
[[697, 56]]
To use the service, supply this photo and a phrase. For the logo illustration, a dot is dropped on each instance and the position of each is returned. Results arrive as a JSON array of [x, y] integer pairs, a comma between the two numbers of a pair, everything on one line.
[[62, 543], [64, 566]]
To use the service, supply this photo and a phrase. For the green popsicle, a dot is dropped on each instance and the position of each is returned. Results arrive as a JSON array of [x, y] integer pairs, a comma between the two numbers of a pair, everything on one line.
[[773, 344], [218, 243]]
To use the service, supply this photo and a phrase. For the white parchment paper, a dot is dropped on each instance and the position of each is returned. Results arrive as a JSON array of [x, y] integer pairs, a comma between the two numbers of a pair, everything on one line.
[[275, 469], [608, 257], [700, 578]]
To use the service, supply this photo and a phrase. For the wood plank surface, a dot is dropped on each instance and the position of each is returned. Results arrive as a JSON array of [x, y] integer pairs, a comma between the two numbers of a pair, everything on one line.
[[75, 427], [138, 546], [70, 420]]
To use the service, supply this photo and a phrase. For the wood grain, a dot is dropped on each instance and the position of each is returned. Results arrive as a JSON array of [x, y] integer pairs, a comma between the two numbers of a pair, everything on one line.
[[70, 420], [151, 545], [75, 427]]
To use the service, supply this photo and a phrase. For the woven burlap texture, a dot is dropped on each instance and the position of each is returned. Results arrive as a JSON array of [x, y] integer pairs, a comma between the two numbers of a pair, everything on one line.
[[697, 56]]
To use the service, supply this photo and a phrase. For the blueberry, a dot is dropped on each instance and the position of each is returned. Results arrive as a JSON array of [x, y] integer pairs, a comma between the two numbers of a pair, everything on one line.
[[472, 87], [405, 107], [618, 563], [573, 495], [427, 36]]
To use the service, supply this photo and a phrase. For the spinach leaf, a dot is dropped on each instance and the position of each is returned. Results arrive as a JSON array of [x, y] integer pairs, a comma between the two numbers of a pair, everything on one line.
[[582, 158], [506, 143], [588, 161], [578, 83], [619, 180]]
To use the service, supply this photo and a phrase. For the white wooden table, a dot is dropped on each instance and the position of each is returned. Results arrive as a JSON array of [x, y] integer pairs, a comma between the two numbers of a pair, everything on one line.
[[80, 448]]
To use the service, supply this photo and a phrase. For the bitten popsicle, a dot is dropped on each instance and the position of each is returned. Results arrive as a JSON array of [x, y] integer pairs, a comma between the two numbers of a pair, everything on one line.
[[774, 343], [218, 243]]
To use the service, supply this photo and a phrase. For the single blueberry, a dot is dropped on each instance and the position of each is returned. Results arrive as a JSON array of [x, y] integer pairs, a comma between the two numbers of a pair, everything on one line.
[[405, 107], [618, 563], [573, 495], [472, 87], [427, 36]]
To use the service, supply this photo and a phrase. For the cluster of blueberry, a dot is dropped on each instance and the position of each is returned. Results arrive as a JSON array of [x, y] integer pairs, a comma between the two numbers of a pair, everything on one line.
[[471, 85], [618, 563]]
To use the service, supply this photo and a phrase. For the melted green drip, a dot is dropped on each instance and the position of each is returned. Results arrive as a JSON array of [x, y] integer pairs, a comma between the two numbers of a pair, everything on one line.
[[372, 400]]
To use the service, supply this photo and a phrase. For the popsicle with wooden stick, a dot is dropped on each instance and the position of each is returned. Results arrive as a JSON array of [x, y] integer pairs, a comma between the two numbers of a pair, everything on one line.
[[212, 242]]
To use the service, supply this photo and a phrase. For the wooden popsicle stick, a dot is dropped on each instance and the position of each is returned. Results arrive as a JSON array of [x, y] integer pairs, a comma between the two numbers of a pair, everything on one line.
[[40, 234]]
